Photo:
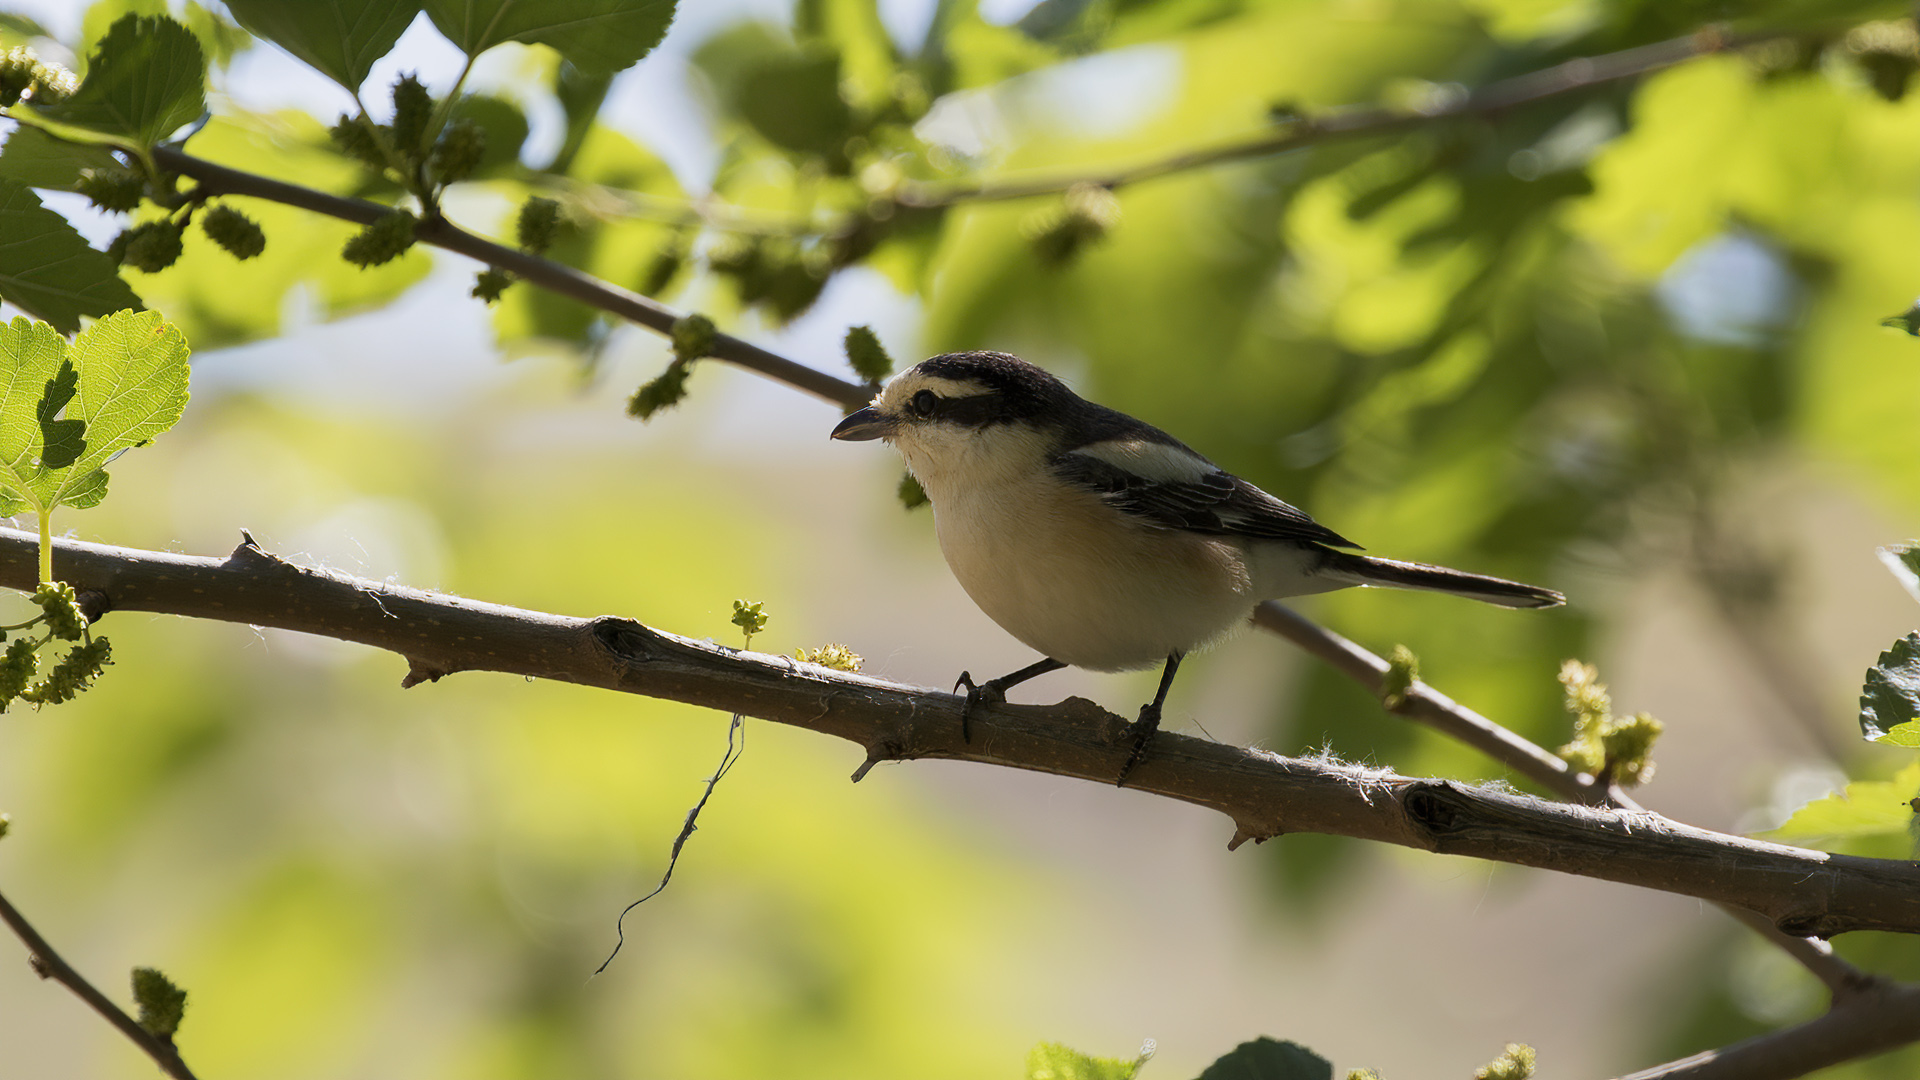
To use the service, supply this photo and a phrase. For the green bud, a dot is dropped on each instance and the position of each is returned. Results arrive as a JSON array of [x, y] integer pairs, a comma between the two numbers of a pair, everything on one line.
[[17, 669], [52, 84], [162, 1004], [412, 110], [1610, 749], [61, 609], [1085, 215], [18, 67], [75, 673], [912, 495], [488, 284], [693, 337], [866, 355], [1516, 1062], [1363, 1074], [389, 237], [113, 190], [662, 392], [1629, 748], [352, 137], [151, 247], [459, 151], [1403, 670], [5, 823], [539, 222], [234, 231], [837, 657], [749, 617]]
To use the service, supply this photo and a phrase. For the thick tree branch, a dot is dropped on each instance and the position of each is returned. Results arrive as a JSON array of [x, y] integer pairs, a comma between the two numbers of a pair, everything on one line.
[[1803, 892], [48, 965], [1860, 1002]]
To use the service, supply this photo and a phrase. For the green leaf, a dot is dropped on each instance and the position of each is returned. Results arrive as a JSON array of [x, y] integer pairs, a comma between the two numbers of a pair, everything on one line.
[[61, 441], [145, 80], [37, 159], [1266, 1059], [1052, 1061], [1907, 734], [581, 95], [133, 386], [598, 36], [1903, 560], [32, 356], [47, 269], [121, 383], [16, 29], [342, 39], [1891, 695], [1867, 808], [794, 102]]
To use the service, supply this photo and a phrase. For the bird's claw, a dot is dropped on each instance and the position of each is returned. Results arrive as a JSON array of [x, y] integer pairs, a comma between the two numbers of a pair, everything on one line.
[[986, 693], [1142, 732]]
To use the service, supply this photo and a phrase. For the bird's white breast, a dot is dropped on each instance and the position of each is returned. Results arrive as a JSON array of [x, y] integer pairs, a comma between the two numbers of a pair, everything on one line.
[[1074, 578]]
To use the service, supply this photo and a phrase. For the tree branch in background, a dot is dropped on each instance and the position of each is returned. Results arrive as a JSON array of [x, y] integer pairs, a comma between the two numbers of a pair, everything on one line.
[[556, 277], [48, 965], [1362, 121], [1351, 122], [1804, 892]]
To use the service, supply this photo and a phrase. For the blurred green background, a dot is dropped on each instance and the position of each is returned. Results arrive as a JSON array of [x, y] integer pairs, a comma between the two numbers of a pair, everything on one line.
[[1625, 344]]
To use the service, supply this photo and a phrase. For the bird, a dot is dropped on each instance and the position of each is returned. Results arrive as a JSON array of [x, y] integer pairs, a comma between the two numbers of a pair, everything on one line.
[[1100, 541]]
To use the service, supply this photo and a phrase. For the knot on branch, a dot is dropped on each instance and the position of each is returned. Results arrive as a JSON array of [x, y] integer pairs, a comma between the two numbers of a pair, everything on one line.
[[1244, 833], [883, 750], [1435, 807], [419, 671], [250, 551], [1815, 924], [93, 604], [624, 638]]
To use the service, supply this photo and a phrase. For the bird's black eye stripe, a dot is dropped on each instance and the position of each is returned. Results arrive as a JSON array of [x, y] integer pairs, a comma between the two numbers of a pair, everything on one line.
[[925, 402]]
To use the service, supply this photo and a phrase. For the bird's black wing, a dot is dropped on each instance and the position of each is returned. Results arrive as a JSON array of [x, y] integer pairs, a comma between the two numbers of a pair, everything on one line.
[[1171, 487]]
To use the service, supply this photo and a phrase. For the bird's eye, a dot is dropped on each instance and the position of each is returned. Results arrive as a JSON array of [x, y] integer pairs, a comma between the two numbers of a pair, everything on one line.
[[924, 403]]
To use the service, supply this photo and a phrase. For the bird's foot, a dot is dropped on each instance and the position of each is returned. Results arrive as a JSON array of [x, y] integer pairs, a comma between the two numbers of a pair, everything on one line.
[[1142, 732], [986, 693]]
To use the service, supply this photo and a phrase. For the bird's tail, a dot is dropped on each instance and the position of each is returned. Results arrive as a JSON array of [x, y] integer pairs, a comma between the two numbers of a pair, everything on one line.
[[1367, 570]]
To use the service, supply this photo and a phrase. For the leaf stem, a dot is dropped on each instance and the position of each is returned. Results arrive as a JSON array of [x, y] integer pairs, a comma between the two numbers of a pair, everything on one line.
[[46, 545]]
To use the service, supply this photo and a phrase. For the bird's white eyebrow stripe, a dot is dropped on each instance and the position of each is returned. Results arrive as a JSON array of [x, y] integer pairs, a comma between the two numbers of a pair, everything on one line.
[[1156, 462], [951, 388]]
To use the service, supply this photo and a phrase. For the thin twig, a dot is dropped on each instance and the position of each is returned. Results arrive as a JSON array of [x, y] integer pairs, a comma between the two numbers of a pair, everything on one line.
[[737, 727], [49, 965]]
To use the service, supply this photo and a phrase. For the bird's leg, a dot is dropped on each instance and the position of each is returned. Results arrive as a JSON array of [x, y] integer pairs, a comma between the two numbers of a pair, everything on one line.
[[994, 691], [1149, 722]]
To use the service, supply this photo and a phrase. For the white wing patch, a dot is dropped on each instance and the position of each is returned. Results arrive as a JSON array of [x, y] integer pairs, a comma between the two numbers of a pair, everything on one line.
[[1154, 462]]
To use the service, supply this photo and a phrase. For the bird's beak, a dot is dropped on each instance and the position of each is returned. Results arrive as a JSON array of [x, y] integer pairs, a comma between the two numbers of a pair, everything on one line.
[[867, 423]]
